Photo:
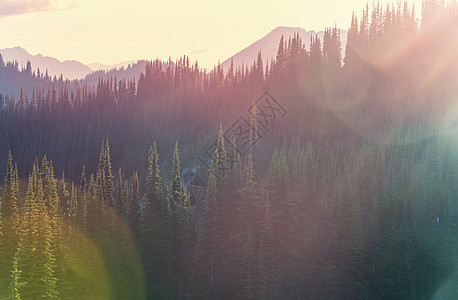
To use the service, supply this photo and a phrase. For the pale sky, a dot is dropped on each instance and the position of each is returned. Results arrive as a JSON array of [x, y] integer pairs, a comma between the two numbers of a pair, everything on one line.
[[112, 31]]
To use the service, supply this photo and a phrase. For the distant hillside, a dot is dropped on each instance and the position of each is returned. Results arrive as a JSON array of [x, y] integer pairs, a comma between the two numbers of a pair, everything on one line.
[[69, 69], [12, 80], [268, 45]]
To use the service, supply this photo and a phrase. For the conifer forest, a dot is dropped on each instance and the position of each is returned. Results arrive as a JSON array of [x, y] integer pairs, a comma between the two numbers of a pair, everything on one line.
[[326, 173]]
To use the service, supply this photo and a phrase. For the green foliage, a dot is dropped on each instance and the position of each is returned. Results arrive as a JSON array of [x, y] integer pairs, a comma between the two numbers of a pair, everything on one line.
[[10, 224], [104, 178], [35, 256], [360, 202]]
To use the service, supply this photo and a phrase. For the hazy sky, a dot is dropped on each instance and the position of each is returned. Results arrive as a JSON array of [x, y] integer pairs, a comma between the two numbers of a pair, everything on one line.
[[112, 31]]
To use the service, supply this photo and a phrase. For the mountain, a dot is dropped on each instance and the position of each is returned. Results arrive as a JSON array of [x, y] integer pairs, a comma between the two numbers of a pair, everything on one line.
[[268, 45], [69, 69]]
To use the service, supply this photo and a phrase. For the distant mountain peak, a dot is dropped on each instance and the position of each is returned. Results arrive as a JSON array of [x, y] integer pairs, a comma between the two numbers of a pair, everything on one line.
[[268, 45]]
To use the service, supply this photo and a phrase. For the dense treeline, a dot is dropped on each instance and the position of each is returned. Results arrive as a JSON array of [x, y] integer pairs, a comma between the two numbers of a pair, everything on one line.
[[24, 80], [16, 80], [351, 196], [130, 114]]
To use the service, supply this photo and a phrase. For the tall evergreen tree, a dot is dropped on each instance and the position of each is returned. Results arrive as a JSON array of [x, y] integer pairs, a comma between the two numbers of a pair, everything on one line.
[[10, 230], [254, 139], [133, 216], [268, 272], [352, 43], [64, 199], [125, 196], [35, 258], [208, 269], [82, 199], [15, 280], [221, 163], [93, 209], [50, 197], [108, 176], [119, 187], [176, 187], [155, 230], [105, 188], [181, 226], [64, 223]]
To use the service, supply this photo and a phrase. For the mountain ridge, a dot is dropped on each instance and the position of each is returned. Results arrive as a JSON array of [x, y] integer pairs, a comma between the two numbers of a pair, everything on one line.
[[70, 69], [268, 45]]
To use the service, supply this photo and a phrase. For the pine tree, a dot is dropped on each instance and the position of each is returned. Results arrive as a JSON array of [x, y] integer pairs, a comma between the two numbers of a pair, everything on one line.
[[100, 175], [209, 255], [250, 171], [104, 179], [133, 216], [259, 71], [175, 177], [181, 225], [10, 230], [64, 199], [35, 258], [50, 197], [351, 50], [185, 236], [221, 163], [119, 187], [108, 176], [281, 56], [81, 209], [57, 232], [254, 139], [62, 271], [316, 54], [332, 51], [155, 229], [268, 272], [125, 200], [73, 203], [93, 209], [15, 280], [234, 179]]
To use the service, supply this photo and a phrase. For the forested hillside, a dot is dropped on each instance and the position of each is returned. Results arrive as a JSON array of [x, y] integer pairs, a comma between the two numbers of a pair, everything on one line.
[[339, 183]]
